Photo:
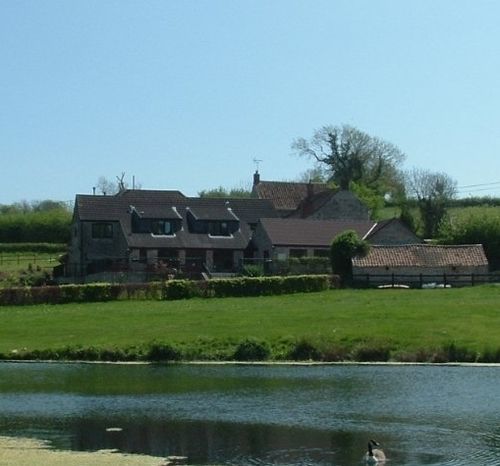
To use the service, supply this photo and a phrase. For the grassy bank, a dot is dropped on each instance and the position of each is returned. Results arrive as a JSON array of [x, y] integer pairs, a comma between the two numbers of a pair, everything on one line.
[[420, 325]]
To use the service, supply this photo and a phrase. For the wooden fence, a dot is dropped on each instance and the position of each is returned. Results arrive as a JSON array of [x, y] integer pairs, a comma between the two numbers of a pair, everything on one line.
[[423, 280]]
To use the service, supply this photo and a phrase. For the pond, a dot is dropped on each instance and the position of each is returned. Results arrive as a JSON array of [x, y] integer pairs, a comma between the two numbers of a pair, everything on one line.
[[259, 414]]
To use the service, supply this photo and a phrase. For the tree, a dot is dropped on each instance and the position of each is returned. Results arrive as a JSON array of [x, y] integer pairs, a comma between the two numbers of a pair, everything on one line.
[[344, 247], [433, 192], [351, 155], [221, 192], [108, 187], [476, 229]]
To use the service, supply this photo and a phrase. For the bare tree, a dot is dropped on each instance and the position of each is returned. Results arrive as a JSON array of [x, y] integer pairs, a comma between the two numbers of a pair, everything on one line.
[[432, 191], [106, 186], [351, 155]]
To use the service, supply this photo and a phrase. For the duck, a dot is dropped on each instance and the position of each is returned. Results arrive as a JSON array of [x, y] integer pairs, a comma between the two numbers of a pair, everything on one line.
[[374, 455]]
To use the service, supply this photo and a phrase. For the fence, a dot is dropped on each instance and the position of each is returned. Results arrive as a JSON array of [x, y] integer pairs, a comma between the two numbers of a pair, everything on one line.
[[18, 260], [424, 280]]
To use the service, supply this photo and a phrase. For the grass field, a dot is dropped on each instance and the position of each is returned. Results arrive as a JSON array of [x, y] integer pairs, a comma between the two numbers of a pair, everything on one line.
[[14, 261], [403, 321]]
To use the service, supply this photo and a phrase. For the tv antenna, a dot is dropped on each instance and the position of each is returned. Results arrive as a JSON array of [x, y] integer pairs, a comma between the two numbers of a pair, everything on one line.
[[257, 162]]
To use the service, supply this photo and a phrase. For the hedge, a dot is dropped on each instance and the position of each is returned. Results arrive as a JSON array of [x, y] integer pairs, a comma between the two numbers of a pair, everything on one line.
[[170, 290], [33, 247]]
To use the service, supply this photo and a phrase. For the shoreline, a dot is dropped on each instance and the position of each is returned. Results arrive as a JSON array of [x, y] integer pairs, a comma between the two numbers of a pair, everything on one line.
[[25, 451], [253, 363]]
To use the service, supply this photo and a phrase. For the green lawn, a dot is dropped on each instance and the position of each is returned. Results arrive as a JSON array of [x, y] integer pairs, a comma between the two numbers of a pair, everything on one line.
[[14, 261], [404, 320]]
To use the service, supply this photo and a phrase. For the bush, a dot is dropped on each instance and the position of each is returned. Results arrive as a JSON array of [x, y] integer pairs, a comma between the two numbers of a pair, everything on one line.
[[303, 350], [170, 290], [375, 353], [252, 270], [35, 227], [162, 352], [476, 229], [252, 350], [39, 248], [265, 286], [180, 289]]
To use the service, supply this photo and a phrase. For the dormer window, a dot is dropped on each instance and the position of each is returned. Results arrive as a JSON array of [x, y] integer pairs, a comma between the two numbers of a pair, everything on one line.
[[162, 227], [218, 229]]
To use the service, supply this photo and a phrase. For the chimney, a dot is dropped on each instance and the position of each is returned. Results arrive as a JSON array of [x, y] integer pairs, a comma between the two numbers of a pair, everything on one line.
[[256, 178], [310, 189]]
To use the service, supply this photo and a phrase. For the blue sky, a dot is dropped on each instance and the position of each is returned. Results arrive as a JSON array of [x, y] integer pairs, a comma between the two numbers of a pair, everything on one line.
[[185, 94]]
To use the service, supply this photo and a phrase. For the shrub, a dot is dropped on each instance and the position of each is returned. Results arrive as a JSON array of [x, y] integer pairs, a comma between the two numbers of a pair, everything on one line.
[[162, 352], [252, 270], [375, 353], [264, 286], [344, 247], [180, 289], [33, 247], [252, 350], [455, 353], [303, 350]]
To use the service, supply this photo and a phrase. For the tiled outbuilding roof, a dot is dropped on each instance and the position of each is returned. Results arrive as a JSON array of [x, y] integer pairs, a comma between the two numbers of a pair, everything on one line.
[[423, 255], [287, 195]]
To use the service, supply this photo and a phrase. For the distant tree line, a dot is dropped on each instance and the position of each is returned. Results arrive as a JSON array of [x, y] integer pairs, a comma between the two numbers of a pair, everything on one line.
[[35, 222]]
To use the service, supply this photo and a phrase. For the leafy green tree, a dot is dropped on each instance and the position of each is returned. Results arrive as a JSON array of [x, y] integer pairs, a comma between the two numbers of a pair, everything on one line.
[[433, 192], [344, 247], [351, 155], [222, 192], [475, 229]]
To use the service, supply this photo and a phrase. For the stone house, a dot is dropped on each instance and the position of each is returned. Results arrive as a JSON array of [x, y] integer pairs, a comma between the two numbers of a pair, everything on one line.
[[310, 200], [407, 262], [139, 229]]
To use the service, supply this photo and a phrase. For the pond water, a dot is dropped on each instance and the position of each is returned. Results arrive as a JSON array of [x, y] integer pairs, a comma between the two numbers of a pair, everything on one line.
[[259, 415]]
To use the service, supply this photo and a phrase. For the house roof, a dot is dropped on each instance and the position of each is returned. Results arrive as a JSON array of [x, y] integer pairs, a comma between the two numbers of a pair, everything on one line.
[[287, 195], [174, 205], [304, 232], [214, 212], [423, 255]]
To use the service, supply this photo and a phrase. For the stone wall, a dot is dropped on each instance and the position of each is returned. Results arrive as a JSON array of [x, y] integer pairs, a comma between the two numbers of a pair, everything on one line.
[[343, 205]]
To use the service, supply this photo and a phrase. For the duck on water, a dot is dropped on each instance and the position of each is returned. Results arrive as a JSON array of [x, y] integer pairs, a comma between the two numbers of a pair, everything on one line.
[[374, 455]]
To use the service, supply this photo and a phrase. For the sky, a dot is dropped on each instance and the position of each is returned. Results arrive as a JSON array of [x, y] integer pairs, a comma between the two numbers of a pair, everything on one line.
[[187, 95]]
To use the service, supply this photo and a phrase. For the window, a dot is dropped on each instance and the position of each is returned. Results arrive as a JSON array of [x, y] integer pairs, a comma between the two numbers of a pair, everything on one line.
[[321, 253], [161, 227], [298, 252], [219, 229], [102, 230]]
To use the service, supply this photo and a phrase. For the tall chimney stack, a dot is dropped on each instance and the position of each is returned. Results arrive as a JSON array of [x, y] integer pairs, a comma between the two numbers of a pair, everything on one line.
[[256, 177]]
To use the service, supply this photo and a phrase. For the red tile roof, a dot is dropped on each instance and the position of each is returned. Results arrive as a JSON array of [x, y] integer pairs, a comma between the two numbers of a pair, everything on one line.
[[287, 195], [423, 255]]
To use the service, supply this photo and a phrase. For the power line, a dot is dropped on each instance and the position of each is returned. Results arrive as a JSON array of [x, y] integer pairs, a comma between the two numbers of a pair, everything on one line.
[[479, 185]]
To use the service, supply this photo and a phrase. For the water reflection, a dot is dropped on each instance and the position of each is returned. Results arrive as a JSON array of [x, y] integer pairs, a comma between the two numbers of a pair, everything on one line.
[[248, 415]]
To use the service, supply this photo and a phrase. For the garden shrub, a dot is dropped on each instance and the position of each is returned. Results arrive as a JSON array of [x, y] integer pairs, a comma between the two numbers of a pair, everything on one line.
[[46, 295], [252, 350], [265, 286], [162, 352], [252, 270], [96, 292], [170, 290], [180, 289]]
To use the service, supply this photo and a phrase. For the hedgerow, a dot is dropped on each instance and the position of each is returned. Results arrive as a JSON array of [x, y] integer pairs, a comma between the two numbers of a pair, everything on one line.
[[170, 290]]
